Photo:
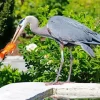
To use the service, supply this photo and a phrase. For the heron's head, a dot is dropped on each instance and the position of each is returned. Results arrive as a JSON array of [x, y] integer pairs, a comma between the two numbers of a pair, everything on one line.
[[22, 24], [21, 21]]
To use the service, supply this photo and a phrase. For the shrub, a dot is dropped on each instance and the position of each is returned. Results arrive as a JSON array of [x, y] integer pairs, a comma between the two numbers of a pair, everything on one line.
[[45, 60], [42, 9], [12, 75], [6, 21], [9, 75]]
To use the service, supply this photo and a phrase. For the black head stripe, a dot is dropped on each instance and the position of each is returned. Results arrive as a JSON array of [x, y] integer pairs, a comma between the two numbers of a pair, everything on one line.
[[21, 21]]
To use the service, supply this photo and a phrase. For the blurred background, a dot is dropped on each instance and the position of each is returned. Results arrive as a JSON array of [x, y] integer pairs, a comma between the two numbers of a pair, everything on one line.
[[43, 62]]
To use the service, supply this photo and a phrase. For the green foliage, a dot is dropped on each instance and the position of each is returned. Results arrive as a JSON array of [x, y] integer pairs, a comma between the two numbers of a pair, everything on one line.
[[45, 59], [86, 12], [41, 59], [85, 69], [8, 75], [11, 75], [42, 9], [6, 21]]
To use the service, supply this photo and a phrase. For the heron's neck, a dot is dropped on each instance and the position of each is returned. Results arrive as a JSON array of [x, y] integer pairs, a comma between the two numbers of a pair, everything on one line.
[[38, 30], [41, 31]]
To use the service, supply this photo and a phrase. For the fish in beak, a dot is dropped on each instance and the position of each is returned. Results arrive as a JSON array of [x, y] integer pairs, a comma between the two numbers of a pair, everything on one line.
[[9, 48]]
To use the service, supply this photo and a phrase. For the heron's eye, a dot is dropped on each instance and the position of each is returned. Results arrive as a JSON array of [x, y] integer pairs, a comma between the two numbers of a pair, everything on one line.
[[21, 20]]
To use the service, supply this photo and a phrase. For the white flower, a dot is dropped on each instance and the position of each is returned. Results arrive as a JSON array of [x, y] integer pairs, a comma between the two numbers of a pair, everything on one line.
[[31, 47]]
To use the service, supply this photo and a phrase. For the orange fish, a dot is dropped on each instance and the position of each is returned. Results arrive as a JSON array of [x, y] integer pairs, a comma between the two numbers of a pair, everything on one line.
[[9, 48]]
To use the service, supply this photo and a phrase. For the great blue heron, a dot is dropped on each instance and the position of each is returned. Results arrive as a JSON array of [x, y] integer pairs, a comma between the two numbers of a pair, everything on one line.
[[66, 31]]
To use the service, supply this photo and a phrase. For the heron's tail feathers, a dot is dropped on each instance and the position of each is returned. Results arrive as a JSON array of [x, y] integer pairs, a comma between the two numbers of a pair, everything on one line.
[[96, 38], [98, 35], [87, 49]]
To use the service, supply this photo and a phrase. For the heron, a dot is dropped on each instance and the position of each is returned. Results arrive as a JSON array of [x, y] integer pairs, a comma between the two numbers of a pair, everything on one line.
[[66, 31]]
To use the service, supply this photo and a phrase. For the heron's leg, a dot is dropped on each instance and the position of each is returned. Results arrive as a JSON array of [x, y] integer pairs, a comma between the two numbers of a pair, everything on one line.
[[61, 64], [71, 62]]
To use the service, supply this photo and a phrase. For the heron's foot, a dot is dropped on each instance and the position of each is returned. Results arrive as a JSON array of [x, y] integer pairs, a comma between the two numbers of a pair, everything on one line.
[[68, 81]]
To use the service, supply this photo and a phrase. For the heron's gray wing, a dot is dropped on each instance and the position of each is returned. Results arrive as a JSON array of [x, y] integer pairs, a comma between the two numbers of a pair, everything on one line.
[[74, 23], [69, 30], [61, 28], [80, 26]]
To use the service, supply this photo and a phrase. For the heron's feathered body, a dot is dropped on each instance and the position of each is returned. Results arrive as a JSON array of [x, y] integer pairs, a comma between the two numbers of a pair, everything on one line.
[[69, 31], [66, 31]]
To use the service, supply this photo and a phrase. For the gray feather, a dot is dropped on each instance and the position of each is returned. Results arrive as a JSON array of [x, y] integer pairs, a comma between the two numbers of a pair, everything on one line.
[[61, 29], [87, 49], [93, 42], [70, 31]]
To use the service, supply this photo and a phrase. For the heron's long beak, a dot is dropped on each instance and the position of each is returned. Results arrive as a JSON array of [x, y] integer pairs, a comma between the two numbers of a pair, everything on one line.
[[17, 33]]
